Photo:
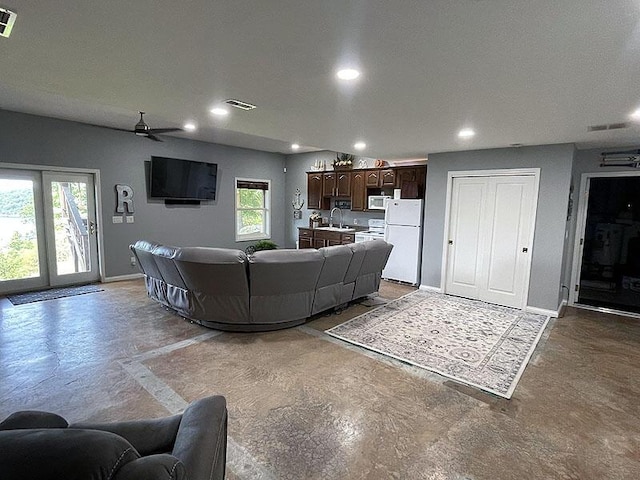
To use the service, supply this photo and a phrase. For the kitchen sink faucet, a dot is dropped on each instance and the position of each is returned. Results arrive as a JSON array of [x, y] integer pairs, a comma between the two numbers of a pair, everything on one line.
[[331, 216]]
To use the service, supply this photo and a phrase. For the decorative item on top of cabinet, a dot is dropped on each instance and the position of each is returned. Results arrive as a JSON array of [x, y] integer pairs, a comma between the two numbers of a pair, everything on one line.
[[343, 161]]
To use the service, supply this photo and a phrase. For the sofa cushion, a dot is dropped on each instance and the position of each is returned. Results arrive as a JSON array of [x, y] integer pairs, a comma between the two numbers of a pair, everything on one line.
[[329, 289], [216, 279], [283, 284], [163, 256], [143, 252], [59, 453], [153, 467]]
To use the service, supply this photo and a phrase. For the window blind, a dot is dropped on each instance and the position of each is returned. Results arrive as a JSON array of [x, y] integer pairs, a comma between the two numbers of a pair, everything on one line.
[[253, 185]]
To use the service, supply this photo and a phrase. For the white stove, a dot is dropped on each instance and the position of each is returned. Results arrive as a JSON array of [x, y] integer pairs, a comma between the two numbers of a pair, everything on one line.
[[375, 232]]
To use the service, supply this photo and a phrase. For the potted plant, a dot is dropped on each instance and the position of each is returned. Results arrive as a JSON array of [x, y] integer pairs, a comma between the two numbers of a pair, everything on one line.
[[261, 245]]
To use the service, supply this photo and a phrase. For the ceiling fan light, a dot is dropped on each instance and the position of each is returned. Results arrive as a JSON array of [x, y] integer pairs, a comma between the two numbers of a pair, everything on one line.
[[141, 127]]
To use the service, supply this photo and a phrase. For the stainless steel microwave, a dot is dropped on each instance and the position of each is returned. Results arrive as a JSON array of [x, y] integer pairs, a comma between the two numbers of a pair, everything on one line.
[[377, 202]]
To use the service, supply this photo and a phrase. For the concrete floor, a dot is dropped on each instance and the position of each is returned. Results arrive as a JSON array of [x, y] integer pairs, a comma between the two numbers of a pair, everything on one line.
[[303, 405]]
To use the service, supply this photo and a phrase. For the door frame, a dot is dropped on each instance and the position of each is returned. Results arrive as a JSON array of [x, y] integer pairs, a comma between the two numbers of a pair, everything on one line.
[[504, 172], [581, 225], [97, 195]]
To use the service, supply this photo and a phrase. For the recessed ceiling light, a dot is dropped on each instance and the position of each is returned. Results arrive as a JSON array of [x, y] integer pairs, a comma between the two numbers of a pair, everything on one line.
[[636, 115], [466, 133], [347, 74], [190, 127], [360, 146], [295, 146], [219, 111]]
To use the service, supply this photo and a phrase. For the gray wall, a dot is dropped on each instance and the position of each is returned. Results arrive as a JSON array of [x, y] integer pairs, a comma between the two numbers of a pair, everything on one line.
[[555, 162], [297, 165], [121, 157]]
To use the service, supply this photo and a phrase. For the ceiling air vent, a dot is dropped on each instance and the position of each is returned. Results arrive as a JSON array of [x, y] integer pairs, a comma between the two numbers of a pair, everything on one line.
[[240, 105], [607, 126], [7, 19]]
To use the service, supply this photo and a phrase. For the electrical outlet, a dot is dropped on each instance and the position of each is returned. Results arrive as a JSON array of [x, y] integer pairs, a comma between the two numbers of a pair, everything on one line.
[[133, 261]]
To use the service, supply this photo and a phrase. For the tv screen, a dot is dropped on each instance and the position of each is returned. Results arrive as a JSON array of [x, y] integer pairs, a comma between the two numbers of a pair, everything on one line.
[[182, 179]]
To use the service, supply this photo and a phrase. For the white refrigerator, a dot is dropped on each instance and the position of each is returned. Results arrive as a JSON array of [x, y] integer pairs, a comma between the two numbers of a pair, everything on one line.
[[403, 228]]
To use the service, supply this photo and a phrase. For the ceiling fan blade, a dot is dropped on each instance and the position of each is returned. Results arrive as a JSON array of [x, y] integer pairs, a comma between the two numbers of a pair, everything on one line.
[[165, 130], [120, 129], [153, 137]]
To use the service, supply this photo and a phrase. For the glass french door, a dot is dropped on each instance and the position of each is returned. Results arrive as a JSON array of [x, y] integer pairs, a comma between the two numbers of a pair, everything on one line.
[[47, 229]]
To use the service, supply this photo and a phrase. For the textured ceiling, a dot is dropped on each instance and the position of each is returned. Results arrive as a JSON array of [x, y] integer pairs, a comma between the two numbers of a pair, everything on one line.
[[517, 71]]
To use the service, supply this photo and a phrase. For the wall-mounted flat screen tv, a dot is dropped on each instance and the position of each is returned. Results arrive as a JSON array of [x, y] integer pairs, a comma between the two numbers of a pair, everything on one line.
[[172, 178]]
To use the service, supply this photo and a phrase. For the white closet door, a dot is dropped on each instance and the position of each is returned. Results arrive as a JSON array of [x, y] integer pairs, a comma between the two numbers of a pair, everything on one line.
[[466, 237], [508, 224], [490, 227]]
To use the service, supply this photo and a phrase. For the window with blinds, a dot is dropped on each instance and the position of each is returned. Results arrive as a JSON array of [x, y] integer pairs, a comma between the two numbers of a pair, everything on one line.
[[253, 209]]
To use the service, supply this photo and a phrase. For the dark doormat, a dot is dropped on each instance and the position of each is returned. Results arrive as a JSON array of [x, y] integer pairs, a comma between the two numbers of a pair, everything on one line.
[[52, 294]]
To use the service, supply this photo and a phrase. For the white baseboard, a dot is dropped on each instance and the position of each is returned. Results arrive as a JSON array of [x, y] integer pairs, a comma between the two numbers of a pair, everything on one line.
[[547, 312], [430, 288], [122, 278]]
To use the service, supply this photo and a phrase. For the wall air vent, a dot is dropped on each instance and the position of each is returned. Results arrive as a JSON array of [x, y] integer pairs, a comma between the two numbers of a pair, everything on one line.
[[240, 105], [7, 19], [607, 126]]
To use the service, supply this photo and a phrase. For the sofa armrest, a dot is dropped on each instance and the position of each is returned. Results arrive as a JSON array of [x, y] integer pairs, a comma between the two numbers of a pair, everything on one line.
[[33, 419], [148, 437], [201, 443]]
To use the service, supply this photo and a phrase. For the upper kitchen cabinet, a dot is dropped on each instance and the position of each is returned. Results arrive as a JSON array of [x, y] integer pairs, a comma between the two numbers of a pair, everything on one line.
[[388, 178], [343, 184], [411, 181], [315, 198], [329, 184], [372, 178], [357, 184], [358, 190]]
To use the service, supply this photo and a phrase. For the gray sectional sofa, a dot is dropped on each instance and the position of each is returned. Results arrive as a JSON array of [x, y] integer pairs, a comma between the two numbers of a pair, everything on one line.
[[227, 290]]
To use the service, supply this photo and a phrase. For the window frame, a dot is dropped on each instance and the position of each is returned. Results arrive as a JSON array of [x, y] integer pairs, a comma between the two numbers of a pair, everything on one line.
[[266, 209]]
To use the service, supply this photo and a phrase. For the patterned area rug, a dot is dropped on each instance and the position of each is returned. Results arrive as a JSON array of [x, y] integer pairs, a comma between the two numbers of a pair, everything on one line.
[[51, 294], [472, 342]]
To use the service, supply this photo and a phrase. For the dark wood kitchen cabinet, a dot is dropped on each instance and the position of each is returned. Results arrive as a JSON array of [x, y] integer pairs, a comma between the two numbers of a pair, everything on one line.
[[310, 238], [411, 181], [343, 184], [329, 182], [314, 191], [358, 191], [372, 178], [305, 238], [388, 178]]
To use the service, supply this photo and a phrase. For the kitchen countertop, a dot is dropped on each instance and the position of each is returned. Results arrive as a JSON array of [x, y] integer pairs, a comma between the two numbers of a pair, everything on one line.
[[348, 229]]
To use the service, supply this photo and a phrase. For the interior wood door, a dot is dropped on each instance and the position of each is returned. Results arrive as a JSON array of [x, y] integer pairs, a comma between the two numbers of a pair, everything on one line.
[[491, 222], [466, 236]]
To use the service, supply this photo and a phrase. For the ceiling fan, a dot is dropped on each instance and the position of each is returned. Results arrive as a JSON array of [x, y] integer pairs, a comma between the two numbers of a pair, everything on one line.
[[143, 130]]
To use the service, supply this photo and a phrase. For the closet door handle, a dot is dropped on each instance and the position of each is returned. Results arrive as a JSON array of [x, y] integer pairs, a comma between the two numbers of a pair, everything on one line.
[[525, 250], [450, 242]]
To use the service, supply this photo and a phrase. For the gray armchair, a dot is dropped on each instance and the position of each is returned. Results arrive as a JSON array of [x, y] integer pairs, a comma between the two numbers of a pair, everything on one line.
[[43, 445]]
